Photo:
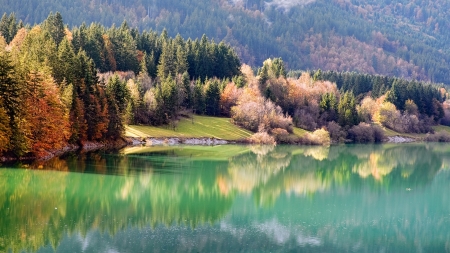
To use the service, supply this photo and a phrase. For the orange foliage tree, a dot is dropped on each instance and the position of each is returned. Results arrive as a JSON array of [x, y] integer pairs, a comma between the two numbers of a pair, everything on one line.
[[229, 98], [47, 120]]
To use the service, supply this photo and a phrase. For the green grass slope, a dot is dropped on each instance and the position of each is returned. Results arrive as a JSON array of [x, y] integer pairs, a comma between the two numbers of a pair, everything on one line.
[[417, 137], [197, 127]]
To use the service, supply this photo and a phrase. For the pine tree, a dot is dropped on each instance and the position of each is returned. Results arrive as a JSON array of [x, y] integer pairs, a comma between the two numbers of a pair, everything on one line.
[[115, 122], [181, 61], [347, 114], [64, 69], [55, 26], [212, 98], [118, 89], [8, 27], [4, 27], [167, 100], [167, 61], [10, 98], [199, 101]]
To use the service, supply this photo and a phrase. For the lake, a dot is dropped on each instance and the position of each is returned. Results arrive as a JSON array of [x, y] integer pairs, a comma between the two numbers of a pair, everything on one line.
[[231, 198]]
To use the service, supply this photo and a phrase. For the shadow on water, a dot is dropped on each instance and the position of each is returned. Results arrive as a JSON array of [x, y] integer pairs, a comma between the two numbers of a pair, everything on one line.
[[327, 198]]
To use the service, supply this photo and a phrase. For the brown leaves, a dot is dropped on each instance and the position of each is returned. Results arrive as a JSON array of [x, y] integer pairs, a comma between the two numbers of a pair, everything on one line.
[[45, 115]]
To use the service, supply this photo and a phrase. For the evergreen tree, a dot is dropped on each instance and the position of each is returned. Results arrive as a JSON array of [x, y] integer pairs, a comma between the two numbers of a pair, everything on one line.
[[55, 26], [168, 98], [212, 98], [328, 107], [10, 98], [115, 121], [64, 69], [167, 61], [118, 89], [199, 101], [188, 98], [4, 27], [8, 27], [181, 61], [347, 114]]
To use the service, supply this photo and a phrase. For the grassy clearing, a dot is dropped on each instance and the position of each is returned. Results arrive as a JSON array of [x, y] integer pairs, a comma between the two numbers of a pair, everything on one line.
[[392, 133], [198, 127], [440, 128], [300, 132]]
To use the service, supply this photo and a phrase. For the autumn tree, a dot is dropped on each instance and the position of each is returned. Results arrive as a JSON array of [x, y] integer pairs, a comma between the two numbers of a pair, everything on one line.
[[229, 98], [45, 114]]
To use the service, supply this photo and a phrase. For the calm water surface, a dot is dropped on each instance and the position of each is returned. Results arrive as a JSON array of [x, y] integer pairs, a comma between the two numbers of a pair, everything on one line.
[[359, 198]]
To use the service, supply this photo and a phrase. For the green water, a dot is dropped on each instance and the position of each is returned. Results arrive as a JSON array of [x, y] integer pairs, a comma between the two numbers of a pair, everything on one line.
[[359, 198]]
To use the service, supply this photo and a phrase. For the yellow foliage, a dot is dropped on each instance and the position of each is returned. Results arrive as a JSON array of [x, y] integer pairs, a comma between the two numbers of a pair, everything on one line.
[[17, 42], [319, 137], [387, 114], [5, 130]]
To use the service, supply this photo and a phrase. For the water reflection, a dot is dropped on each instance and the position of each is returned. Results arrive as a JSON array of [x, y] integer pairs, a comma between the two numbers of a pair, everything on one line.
[[331, 198]]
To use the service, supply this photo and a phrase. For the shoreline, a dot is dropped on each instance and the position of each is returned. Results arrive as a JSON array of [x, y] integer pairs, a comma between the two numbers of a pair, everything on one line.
[[159, 141], [85, 147]]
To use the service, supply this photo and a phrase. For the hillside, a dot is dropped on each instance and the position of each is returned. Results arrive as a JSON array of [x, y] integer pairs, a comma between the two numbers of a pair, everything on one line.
[[401, 38]]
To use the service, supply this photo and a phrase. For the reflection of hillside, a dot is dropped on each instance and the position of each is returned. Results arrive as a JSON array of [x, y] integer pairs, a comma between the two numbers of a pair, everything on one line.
[[41, 206], [406, 161], [317, 152], [170, 187], [266, 172], [247, 171], [28, 217], [269, 172]]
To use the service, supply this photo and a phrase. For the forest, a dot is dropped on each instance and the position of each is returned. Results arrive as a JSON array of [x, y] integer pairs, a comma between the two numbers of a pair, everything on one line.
[[52, 92], [84, 84], [408, 39]]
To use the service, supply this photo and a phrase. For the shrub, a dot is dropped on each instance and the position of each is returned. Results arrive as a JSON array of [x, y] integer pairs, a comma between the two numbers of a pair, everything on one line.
[[366, 133], [391, 118], [282, 136], [262, 138], [337, 134], [254, 112], [446, 119], [307, 116], [318, 137], [367, 109], [441, 136]]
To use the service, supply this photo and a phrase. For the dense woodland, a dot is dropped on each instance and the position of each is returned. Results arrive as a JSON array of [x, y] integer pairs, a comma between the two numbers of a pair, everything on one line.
[[401, 38], [79, 85], [51, 92]]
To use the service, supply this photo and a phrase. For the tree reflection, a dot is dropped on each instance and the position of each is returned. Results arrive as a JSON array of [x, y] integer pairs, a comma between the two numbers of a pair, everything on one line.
[[176, 185], [41, 206], [307, 170]]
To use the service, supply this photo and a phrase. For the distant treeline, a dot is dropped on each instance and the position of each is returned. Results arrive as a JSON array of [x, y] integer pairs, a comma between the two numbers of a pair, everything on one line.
[[400, 89], [402, 38]]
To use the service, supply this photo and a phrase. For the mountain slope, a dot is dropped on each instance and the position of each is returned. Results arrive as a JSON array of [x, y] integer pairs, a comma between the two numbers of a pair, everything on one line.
[[402, 38]]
